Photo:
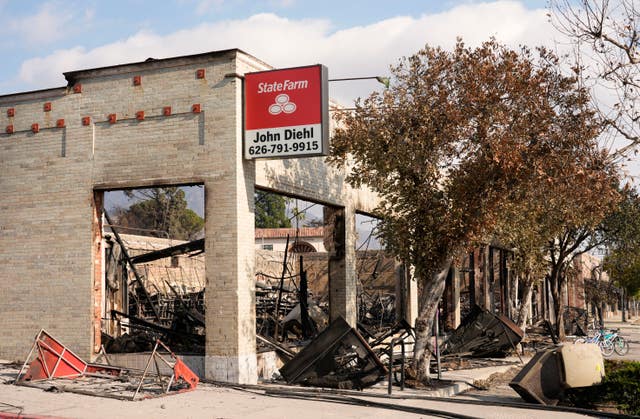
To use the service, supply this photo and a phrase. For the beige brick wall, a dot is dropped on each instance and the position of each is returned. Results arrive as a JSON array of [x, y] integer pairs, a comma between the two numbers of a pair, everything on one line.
[[47, 182], [45, 227], [48, 179]]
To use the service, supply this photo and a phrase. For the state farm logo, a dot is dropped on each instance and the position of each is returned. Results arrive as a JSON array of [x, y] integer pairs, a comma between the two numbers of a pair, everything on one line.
[[282, 105]]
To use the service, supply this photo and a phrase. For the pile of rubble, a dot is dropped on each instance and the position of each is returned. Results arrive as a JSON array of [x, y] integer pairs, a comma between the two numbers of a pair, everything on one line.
[[294, 322]]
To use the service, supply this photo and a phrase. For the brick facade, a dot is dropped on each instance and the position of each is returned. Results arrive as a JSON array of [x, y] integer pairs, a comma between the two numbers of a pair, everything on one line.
[[52, 180]]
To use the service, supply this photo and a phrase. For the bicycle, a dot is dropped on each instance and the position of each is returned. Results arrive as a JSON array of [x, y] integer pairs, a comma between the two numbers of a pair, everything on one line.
[[620, 345], [600, 339]]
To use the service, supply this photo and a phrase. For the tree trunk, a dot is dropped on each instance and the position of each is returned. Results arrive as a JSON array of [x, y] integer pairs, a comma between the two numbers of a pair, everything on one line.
[[525, 304], [557, 284], [559, 312], [600, 309], [431, 294], [624, 306], [514, 304]]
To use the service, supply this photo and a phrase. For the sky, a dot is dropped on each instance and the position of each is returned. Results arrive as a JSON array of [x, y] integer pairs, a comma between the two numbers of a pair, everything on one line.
[[39, 40]]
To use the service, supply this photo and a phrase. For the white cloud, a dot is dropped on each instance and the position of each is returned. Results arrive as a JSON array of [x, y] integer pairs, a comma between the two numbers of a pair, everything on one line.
[[352, 52], [48, 25]]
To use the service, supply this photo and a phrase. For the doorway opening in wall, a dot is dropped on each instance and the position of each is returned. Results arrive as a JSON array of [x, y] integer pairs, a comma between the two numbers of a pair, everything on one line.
[[377, 275], [152, 268], [291, 261]]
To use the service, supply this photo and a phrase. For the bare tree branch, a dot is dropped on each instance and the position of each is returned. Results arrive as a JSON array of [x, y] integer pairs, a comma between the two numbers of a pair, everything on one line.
[[606, 34]]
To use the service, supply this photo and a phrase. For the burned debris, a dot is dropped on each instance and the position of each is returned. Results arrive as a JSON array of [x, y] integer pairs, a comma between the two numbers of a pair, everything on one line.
[[51, 365], [145, 333], [484, 334], [292, 319], [338, 357], [142, 305], [292, 314], [291, 299]]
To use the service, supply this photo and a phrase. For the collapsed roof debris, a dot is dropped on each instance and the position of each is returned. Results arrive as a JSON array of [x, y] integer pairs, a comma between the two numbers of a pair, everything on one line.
[[355, 360], [139, 281], [155, 301], [181, 338], [338, 357], [483, 334], [196, 246]]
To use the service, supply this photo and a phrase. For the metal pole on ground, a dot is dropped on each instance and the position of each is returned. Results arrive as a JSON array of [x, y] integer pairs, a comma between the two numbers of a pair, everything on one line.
[[390, 387], [284, 271], [437, 332]]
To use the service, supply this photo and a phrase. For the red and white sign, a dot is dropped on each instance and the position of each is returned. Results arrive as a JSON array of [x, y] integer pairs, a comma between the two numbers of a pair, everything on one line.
[[286, 113]]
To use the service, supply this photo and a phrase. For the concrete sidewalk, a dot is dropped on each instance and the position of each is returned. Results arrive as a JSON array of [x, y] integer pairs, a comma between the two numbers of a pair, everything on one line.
[[617, 318], [458, 381], [209, 400]]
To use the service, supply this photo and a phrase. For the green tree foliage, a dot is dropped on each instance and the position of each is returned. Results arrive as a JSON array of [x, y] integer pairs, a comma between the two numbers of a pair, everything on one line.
[[458, 140], [160, 212], [271, 210], [622, 262], [578, 207], [521, 227]]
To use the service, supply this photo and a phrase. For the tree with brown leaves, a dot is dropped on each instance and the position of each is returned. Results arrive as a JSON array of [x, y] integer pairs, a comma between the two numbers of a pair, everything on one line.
[[457, 141]]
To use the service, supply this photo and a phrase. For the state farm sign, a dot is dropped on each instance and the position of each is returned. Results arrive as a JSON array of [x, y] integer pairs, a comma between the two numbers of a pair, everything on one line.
[[286, 113]]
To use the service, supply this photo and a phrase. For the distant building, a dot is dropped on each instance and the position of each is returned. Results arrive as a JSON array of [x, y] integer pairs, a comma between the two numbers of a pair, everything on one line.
[[585, 266], [301, 240]]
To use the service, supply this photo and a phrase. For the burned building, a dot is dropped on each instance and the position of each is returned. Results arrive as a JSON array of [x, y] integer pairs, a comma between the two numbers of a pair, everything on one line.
[[160, 122]]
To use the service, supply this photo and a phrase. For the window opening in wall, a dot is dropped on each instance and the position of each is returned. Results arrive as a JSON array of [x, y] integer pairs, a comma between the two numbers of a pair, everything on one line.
[[153, 268], [376, 271], [301, 284], [290, 249]]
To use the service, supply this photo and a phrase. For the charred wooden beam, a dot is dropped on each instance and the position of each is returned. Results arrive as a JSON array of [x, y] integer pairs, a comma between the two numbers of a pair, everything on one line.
[[275, 345], [308, 327], [284, 271], [181, 249], [125, 253], [141, 322]]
